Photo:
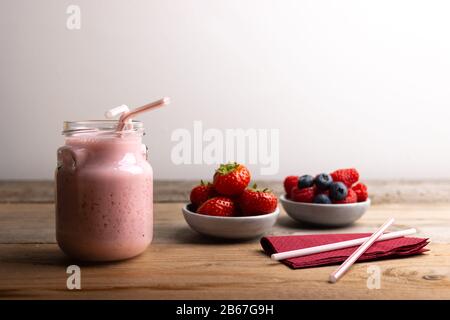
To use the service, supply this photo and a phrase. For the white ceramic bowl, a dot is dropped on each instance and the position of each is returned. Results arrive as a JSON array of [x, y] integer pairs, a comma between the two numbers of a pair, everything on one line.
[[327, 215], [230, 227]]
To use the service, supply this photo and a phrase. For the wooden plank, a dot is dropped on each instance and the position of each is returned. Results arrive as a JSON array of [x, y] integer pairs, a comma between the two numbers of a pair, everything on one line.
[[203, 271], [34, 223], [26, 191], [27, 223], [181, 264], [178, 191]]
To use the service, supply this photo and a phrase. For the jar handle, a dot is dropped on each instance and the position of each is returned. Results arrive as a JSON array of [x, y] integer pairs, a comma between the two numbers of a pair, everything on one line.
[[144, 149], [71, 158]]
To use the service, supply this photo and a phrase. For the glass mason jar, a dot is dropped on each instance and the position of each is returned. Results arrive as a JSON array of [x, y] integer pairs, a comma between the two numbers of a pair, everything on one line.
[[104, 191]]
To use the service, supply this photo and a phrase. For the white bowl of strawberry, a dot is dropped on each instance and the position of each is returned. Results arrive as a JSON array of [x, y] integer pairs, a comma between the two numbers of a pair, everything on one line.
[[228, 208], [332, 200]]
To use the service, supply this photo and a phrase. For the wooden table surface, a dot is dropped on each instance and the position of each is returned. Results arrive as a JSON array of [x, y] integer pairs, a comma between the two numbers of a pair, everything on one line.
[[181, 264]]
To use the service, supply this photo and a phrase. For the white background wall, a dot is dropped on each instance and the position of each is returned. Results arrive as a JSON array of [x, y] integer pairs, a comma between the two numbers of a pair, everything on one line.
[[348, 83]]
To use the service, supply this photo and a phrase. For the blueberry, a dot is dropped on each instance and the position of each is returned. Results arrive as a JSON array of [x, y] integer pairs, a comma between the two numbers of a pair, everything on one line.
[[322, 198], [338, 191], [305, 181], [323, 181]]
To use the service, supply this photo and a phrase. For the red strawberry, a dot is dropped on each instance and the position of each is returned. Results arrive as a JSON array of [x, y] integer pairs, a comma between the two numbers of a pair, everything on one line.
[[201, 193], [346, 176], [289, 183], [231, 179], [218, 206], [303, 195], [361, 191], [351, 198], [256, 201]]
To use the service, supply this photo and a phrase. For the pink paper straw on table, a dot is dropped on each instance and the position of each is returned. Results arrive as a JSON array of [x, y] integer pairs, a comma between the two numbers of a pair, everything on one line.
[[338, 245], [355, 255]]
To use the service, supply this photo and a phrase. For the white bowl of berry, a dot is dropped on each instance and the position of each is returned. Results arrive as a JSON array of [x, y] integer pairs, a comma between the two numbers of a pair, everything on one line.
[[330, 200], [227, 208]]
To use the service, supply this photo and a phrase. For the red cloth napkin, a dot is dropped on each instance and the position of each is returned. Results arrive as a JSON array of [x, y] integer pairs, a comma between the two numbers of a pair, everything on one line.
[[393, 248]]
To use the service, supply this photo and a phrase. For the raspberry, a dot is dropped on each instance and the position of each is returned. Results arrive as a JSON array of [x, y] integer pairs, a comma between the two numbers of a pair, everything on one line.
[[289, 183], [361, 191], [346, 176], [303, 195], [351, 198]]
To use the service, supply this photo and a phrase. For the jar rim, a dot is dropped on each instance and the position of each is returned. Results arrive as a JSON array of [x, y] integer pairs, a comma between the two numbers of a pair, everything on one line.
[[100, 127]]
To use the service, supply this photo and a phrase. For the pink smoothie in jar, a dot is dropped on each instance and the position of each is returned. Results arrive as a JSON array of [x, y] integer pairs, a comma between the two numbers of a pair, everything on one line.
[[104, 192]]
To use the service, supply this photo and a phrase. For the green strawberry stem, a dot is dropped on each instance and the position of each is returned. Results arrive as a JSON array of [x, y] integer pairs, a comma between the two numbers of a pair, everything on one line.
[[227, 168], [204, 183], [255, 188]]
